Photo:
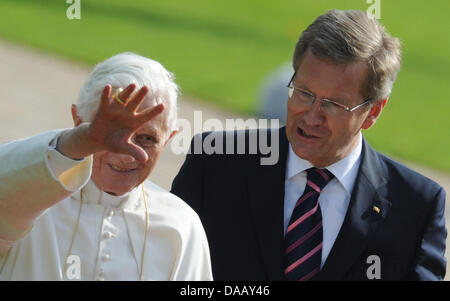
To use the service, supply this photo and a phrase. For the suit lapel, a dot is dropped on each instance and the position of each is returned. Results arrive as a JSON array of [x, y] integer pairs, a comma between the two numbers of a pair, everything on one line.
[[266, 198], [361, 219]]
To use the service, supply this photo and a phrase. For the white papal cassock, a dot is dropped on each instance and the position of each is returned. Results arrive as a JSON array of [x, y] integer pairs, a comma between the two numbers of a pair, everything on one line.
[[38, 183]]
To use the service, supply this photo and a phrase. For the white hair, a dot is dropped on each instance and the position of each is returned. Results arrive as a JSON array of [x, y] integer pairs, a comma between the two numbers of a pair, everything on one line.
[[122, 70]]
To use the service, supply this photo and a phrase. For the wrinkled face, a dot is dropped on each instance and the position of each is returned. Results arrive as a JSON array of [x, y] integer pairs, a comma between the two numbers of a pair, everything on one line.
[[119, 173], [315, 135]]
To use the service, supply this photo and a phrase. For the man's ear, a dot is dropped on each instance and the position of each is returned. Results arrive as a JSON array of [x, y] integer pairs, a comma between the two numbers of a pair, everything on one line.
[[374, 113], [76, 119], [171, 136]]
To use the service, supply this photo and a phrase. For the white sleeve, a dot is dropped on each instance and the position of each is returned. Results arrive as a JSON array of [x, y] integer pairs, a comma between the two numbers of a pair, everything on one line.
[[71, 174], [29, 184]]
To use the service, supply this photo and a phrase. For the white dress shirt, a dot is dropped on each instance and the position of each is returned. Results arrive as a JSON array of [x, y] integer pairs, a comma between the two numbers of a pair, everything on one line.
[[333, 199], [110, 236]]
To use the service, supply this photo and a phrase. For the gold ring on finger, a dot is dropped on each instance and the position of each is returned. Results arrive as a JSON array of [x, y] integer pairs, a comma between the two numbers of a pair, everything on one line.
[[116, 96]]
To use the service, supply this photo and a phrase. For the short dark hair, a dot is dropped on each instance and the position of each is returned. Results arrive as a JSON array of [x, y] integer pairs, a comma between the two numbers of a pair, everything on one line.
[[345, 36]]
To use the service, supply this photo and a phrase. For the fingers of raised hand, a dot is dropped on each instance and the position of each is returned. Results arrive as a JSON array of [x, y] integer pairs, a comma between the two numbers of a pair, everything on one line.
[[150, 113], [125, 94], [113, 116], [120, 96], [133, 150], [124, 99], [137, 99], [106, 94]]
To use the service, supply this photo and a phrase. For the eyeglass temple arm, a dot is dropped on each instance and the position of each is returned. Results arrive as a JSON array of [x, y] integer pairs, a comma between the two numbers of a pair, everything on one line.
[[360, 105], [292, 79]]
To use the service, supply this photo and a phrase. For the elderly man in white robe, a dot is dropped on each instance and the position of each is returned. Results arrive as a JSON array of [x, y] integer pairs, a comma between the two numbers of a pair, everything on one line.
[[75, 204]]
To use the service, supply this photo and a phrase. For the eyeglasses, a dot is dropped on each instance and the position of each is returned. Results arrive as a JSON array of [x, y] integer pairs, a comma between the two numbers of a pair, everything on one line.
[[328, 106]]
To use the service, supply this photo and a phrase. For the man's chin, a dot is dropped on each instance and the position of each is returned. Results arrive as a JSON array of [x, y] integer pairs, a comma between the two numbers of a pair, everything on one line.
[[308, 154]]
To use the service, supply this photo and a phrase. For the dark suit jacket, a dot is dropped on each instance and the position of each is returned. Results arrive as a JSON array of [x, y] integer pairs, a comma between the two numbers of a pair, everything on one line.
[[240, 203]]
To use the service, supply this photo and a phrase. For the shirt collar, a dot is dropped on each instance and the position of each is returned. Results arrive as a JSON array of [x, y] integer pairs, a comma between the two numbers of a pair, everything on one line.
[[92, 194], [344, 170]]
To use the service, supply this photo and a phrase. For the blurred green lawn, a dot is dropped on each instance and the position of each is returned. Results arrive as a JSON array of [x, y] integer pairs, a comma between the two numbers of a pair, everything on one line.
[[221, 50]]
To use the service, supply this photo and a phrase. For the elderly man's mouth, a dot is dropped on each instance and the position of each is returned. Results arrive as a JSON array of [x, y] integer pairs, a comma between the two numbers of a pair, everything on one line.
[[120, 169]]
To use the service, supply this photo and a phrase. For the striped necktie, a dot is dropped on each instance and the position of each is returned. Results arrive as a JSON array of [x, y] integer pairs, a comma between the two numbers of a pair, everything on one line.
[[303, 239]]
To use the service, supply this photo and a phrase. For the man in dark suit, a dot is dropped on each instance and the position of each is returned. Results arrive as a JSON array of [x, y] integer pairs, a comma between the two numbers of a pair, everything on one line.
[[331, 208]]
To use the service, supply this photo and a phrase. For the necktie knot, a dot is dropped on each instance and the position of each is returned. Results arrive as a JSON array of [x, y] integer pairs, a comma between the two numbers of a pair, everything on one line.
[[318, 178]]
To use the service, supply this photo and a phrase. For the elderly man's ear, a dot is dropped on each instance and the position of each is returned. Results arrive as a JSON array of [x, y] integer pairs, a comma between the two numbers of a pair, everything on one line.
[[76, 119], [374, 113]]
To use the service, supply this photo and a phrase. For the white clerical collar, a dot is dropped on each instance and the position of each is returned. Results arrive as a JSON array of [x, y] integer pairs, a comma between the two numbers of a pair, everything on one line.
[[92, 194], [344, 170]]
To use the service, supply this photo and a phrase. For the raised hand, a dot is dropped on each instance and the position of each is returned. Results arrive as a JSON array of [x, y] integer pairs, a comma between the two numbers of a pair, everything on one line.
[[115, 123], [112, 128]]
